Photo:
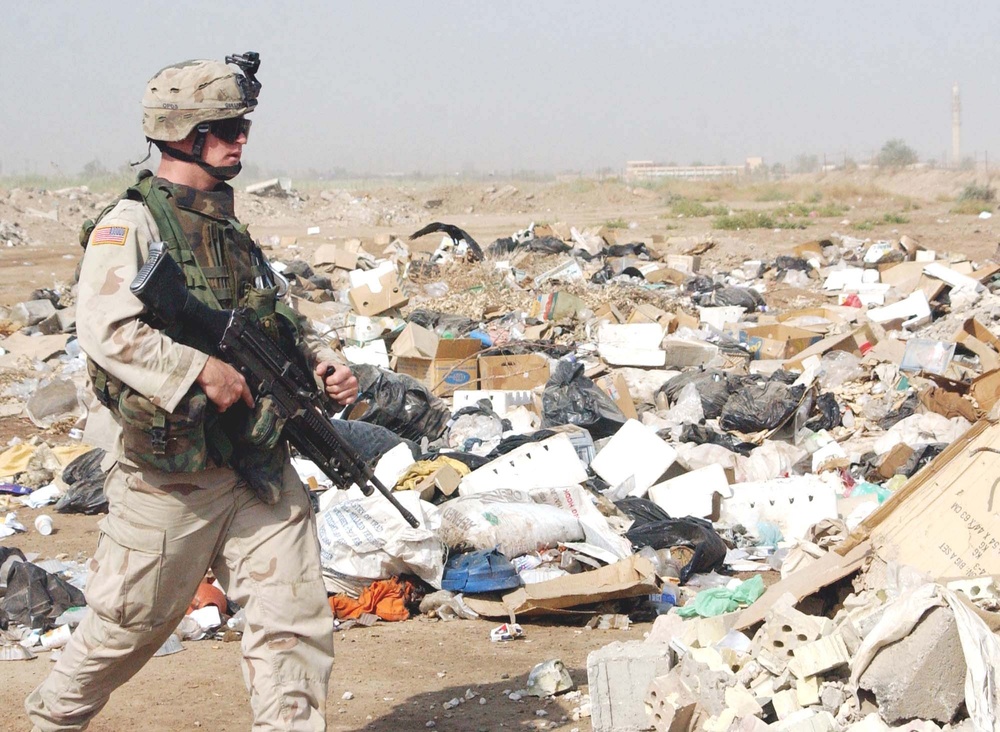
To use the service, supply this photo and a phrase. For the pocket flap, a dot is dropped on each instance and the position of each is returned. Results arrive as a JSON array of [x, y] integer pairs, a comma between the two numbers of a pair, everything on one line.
[[148, 539]]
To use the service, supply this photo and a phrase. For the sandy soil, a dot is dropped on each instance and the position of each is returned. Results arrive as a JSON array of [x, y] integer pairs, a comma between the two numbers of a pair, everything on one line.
[[401, 674]]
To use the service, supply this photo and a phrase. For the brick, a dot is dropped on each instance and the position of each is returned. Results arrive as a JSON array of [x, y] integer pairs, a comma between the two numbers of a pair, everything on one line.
[[807, 720], [807, 691], [785, 703], [619, 676], [820, 656], [784, 630], [921, 676]]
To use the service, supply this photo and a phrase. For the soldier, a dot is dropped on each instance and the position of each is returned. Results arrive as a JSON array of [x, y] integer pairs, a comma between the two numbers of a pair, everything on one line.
[[189, 490]]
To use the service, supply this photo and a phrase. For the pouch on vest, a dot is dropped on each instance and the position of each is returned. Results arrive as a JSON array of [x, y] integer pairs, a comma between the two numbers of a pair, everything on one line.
[[173, 442]]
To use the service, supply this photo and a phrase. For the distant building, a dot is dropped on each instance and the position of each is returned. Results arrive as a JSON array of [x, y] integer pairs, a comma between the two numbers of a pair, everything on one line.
[[648, 170]]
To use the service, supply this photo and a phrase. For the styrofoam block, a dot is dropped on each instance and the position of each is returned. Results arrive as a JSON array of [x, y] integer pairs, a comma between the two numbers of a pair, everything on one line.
[[912, 309], [551, 463], [370, 277], [717, 317], [501, 400], [634, 451], [691, 494], [631, 344], [794, 503]]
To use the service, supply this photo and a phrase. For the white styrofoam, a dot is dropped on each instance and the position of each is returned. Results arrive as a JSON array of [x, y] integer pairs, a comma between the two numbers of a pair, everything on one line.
[[636, 452], [691, 494], [551, 463], [794, 503], [502, 400]]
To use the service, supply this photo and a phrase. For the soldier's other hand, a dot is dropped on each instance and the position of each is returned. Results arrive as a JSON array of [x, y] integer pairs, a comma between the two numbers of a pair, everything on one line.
[[223, 385], [339, 381]]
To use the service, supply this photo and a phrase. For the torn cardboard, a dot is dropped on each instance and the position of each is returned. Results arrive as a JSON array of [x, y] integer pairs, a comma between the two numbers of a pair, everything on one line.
[[633, 576]]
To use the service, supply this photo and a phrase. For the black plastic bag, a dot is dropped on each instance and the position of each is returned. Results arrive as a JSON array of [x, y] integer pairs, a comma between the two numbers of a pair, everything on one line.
[[35, 598], [760, 407], [370, 441], [85, 479], [641, 510], [713, 388], [547, 245], [399, 403], [743, 297], [572, 398], [444, 324], [501, 247], [908, 408], [827, 413], [690, 531], [786, 262], [700, 434]]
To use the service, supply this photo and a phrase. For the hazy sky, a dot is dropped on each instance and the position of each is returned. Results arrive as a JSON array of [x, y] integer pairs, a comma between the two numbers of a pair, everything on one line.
[[547, 86]]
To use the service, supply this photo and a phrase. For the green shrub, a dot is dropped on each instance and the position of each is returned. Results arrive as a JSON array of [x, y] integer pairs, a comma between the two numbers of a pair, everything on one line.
[[895, 218], [744, 220], [975, 192], [618, 223]]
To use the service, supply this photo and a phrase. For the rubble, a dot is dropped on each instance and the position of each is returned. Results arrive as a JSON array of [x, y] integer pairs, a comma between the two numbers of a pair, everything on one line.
[[586, 423]]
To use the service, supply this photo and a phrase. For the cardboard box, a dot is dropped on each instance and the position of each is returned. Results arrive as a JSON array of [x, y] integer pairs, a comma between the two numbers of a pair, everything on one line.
[[858, 342], [513, 372], [371, 300], [985, 390], [454, 365], [977, 338], [944, 520], [415, 341], [684, 262], [616, 388], [777, 341], [338, 256]]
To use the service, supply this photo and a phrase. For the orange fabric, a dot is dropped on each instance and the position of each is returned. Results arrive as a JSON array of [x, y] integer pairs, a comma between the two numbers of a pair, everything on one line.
[[385, 598]]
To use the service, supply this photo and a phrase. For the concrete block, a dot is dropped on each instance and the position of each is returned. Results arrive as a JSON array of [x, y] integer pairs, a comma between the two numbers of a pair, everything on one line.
[[921, 676], [707, 676], [31, 312], [673, 630], [672, 707], [784, 630], [619, 676], [807, 720], [742, 702], [832, 697], [631, 344], [807, 691], [785, 703], [871, 723], [820, 656]]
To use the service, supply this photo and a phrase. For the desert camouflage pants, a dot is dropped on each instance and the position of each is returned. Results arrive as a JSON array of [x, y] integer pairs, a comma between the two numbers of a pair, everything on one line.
[[163, 531]]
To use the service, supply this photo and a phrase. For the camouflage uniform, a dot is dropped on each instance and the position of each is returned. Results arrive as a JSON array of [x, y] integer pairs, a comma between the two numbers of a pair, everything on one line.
[[170, 522]]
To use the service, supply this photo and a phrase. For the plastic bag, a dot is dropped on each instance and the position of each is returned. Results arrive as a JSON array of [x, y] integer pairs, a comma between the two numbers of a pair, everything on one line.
[[827, 413], [760, 407], [399, 403], [572, 398], [35, 598], [476, 429], [85, 481], [742, 297], [720, 600], [713, 387], [839, 367], [692, 532], [687, 410], [507, 519], [444, 324]]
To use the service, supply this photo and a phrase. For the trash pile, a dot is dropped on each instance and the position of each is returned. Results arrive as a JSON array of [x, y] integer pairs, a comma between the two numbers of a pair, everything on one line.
[[787, 462]]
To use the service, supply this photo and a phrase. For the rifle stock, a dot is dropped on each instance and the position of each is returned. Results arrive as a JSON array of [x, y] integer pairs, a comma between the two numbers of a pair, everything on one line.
[[269, 369]]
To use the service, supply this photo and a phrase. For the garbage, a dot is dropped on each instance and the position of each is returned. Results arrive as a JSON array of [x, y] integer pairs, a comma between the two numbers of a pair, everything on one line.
[[85, 481], [35, 598], [548, 679], [719, 600], [572, 398]]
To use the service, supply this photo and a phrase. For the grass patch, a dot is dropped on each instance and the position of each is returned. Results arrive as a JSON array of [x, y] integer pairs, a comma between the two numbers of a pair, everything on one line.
[[864, 225], [805, 210], [972, 207], [618, 223], [742, 220], [770, 194], [895, 218], [696, 209]]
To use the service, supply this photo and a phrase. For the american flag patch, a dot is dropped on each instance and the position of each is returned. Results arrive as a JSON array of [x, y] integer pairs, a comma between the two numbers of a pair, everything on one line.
[[109, 235]]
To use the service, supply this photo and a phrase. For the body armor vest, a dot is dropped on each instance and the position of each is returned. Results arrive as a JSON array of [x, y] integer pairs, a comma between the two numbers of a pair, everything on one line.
[[224, 269]]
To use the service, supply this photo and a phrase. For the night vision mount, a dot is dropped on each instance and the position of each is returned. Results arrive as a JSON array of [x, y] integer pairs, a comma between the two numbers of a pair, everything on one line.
[[249, 63]]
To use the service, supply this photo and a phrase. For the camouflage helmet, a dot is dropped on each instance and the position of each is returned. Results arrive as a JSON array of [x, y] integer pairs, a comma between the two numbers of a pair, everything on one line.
[[180, 97]]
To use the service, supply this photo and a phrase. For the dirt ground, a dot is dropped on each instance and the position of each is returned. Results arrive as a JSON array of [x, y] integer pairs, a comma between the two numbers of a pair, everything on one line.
[[401, 674]]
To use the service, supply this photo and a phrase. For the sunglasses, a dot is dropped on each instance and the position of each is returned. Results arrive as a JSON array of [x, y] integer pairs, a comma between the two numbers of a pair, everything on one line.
[[229, 130]]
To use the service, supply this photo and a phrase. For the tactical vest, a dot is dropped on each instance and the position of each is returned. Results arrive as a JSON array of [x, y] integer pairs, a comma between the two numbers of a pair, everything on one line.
[[223, 268]]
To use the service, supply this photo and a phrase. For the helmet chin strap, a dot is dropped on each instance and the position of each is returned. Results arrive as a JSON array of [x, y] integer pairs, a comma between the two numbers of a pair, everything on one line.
[[223, 172]]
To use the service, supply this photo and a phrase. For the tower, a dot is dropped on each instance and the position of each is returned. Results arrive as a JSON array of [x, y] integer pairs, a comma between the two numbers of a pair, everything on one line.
[[956, 128]]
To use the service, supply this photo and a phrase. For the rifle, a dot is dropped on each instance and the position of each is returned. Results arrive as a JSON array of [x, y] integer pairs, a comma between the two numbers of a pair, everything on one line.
[[269, 369]]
